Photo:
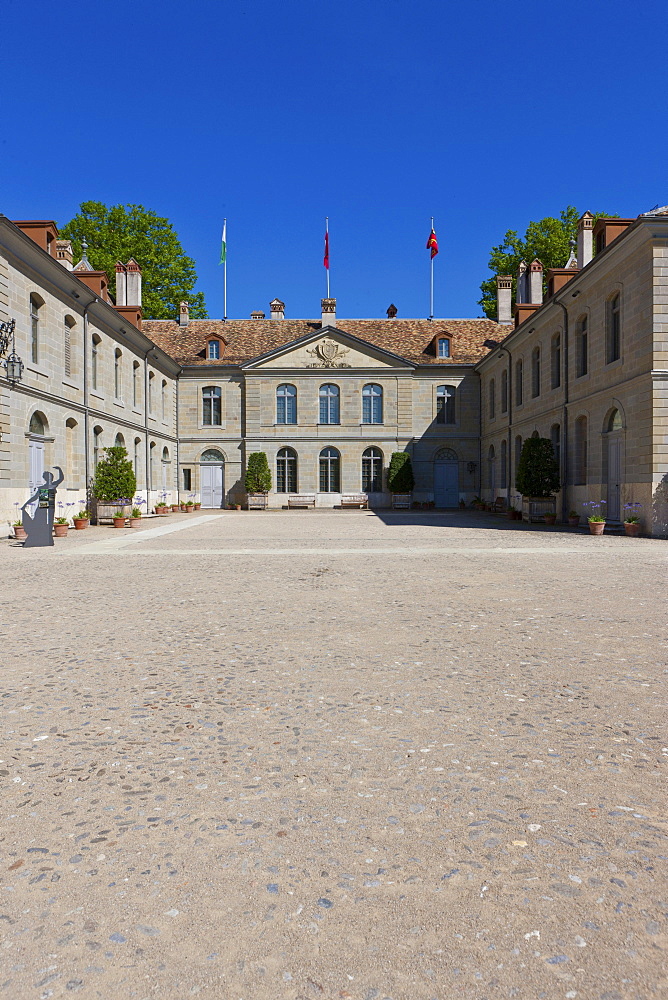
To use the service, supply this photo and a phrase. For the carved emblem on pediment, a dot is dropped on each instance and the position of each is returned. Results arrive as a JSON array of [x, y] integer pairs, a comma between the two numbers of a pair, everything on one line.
[[329, 354]]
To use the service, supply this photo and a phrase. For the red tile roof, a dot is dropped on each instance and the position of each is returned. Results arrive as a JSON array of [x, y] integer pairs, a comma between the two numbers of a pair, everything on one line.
[[245, 340]]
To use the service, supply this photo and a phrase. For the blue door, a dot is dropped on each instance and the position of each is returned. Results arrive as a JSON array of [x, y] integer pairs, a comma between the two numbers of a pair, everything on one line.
[[446, 484]]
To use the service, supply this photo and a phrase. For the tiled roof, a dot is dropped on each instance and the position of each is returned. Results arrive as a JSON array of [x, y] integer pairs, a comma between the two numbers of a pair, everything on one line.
[[244, 340]]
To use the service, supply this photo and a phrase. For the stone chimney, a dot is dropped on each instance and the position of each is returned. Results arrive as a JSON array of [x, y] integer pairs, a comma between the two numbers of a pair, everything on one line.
[[64, 254], [328, 307], [392, 311], [133, 286], [257, 314], [504, 298], [121, 284], [277, 309], [585, 239], [535, 282], [521, 292], [184, 317]]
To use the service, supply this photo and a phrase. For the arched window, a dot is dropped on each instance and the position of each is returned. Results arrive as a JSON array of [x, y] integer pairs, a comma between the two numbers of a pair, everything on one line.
[[135, 383], [97, 445], [504, 464], [491, 471], [68, 325], [330, 471], [614, 422], [504, 391], [372, 471], [38, 424], [555, 438], [286, 471], [165, 454], [555, 359], [163, 398], [70, 449], [535, 372], [119, 441], [443, 347], [613, 329], [118, 379], [213, 350], [581, 347], [137, 458], [286, 404], [211, 409], [329, 406], [492, 399], [445, 404], [519, 382], [94, 373], [580, 451], [151, 383], [151, 465], [212, 455], [518, 452], [372, 404], [36, 303]]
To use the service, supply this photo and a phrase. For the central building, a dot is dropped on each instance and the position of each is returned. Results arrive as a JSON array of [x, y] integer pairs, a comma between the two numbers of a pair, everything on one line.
[[328, 401]]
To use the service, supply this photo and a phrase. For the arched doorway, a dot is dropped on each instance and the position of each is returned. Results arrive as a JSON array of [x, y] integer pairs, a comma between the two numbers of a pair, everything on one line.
[[211, 475], [446, 478], [613, 439], [37, 431], [166, 462]]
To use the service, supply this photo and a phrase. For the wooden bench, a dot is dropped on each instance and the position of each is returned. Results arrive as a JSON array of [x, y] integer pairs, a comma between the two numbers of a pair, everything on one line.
[[359, 500], [499, 506], [301, 500]]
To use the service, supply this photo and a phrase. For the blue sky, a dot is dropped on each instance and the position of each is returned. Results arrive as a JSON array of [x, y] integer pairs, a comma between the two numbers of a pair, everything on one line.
[[377, 113]]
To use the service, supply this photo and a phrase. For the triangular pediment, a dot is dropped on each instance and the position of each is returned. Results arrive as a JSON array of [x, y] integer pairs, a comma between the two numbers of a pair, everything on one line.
[[328, 349]]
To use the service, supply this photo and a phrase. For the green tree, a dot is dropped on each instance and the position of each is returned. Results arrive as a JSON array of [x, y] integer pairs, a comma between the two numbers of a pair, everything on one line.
[[537, 470], [118, 232], [114, 476], [548, 240], [400, 473], [258, 475]]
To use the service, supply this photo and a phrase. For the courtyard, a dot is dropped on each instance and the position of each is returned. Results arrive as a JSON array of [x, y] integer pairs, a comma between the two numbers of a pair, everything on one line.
[[334, 754]]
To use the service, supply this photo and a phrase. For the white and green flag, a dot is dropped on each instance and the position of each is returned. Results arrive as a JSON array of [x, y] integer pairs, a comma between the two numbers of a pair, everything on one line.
[[223, 246]]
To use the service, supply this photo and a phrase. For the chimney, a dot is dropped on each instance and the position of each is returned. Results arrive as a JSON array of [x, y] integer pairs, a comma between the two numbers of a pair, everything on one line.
[[504, 297], [521, 294], [535, 282], [277, 309], [257, 314], [184, 317], [121, 284], [64, 254], [585, 239], [328, 307], [392, 311], [133, 286]]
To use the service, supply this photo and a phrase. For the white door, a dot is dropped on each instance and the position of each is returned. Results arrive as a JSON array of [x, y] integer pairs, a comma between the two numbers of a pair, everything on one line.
[[446, 484], [211, 479], [613, 511], [36, 453]]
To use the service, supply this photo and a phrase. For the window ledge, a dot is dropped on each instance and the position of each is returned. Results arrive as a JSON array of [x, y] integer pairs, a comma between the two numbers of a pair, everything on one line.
[[96, 394], [119, 402], [611, 364], [36, 370], [71, 385]]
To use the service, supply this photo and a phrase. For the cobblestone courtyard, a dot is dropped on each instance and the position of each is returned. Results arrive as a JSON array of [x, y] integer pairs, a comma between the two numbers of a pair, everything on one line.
[[321, 755]]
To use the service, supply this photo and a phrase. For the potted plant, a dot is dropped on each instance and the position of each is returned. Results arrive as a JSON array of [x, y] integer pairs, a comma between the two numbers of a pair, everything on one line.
[[632, 519], [176, 507], [118, 517], [257, 481], [510, 513], [114, 478], [161, 508], [550, 518], [537, 479], [596, 518], [60, 527], [189, 506], [196, 503], [573, 519], [400, 480], [135, 517], [20, 532], [81, 520]]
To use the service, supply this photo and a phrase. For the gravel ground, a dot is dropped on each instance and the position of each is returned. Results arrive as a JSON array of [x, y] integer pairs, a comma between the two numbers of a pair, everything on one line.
[[333, 754]]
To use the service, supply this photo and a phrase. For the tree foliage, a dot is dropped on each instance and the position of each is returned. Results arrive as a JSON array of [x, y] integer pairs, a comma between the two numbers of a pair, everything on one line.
[[118, 232], [537, 470], [548, 240], [114, 477], [400, 473], [258, 474]]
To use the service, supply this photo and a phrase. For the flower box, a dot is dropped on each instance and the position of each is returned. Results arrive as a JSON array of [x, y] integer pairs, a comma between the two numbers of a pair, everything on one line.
[[534, 509], [401, 501], [257, 501]]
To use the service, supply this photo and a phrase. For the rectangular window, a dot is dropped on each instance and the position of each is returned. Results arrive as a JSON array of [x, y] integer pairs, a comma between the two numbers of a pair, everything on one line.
[[613, 337], [34, 331], [519, 383], [187, 480], [582, 348], [68, 349]]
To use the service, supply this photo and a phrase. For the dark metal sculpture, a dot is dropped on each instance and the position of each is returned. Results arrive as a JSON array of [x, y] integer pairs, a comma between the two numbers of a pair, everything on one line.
[[39, 526]]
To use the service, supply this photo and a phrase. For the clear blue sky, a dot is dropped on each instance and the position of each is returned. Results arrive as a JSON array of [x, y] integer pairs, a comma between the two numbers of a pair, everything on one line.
[[378, 113]]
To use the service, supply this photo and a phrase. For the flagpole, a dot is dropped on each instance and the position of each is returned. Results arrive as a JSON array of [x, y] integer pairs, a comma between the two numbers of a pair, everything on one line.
[[225, 273], [327, 232], [431, 284]]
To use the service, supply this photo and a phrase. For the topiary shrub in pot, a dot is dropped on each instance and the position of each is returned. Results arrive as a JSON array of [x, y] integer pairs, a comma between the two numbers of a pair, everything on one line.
[[537, 479], [114, 478], [400, 479], [257, 480]]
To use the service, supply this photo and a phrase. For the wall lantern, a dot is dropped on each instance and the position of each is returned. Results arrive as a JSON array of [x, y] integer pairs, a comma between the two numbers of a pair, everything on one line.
[[12, 364], [472, 466], [6, 333]]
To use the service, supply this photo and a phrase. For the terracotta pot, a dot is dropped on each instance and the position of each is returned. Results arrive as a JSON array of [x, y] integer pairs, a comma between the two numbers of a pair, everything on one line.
[[184, 508], [197, 506], [510, 514], [80, 523], [632, 528], [60, 530], [135, 522], [187, 509], [573, 522], [176, 507], [162, 511], [119, 522], [596, 527], [550, 518], [237, 506], [20, 532]]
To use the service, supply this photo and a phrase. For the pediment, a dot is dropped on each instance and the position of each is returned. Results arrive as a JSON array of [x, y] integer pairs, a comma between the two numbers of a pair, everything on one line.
[[328, 349]]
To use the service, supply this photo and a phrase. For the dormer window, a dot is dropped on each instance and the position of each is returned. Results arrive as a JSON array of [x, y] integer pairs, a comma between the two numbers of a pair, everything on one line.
[[213, 350], [444, 347]]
